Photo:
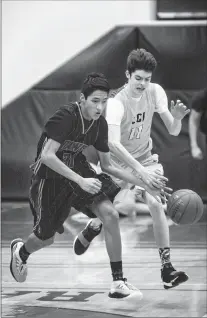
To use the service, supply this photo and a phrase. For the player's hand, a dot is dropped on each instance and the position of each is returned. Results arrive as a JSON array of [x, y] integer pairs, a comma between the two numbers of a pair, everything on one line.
[[152, 179], [161, 195], [165, 194], [90, 185], [154, 192], [196, 153], [178, 110]]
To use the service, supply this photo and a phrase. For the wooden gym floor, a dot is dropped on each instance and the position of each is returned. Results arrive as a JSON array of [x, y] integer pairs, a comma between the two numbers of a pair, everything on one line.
[[61, 284]]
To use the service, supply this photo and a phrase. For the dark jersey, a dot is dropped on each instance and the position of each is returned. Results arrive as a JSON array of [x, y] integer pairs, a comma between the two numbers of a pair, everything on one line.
[[199, 104], [74, 133]]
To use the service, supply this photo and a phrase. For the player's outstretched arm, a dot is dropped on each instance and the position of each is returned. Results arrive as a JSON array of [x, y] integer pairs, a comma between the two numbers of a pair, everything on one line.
[[172, 119], [149, 178]]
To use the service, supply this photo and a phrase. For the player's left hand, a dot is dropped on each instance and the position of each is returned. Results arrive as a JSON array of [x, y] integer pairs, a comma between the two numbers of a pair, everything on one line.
[[178, 110]]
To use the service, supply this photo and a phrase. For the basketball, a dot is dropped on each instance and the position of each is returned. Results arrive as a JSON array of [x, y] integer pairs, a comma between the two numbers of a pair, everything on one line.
[[185, 207]]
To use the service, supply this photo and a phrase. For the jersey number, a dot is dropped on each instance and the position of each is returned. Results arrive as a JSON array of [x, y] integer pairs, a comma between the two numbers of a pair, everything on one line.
[[135, 132]]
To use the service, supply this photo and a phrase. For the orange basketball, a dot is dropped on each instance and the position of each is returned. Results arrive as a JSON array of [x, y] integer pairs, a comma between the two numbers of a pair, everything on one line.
[[185, 207]]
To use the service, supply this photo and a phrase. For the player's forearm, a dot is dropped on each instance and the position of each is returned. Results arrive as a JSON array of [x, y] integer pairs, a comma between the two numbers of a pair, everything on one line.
[[123, 175], [123, 155], [175, 127], [54, 163], [193, 131]]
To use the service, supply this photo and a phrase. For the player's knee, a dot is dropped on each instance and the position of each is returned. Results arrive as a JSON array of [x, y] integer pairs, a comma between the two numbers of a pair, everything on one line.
[[123, 208], [110, 216], [156, 211], [153, 204]]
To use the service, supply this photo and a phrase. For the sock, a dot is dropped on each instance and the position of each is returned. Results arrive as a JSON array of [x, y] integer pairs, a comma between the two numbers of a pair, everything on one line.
[[95, 228], [91, 232], [116, 268], [23, 253], [165, 257]]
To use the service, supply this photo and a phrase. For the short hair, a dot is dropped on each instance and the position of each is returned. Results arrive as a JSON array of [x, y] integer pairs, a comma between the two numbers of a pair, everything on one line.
[[94, 82], [140, 59]]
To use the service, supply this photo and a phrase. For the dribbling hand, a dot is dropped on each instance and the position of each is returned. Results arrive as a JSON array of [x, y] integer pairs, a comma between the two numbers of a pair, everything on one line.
[[90, 185]]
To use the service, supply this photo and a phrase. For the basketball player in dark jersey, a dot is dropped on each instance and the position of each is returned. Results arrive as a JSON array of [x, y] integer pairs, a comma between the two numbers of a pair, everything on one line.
[[62, 178]]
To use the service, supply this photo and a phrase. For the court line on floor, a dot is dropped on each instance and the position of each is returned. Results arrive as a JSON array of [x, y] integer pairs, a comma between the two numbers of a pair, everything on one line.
[[78, 287]]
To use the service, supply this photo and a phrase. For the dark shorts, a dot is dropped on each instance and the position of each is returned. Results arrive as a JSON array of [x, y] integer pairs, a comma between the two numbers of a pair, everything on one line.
[[51, 201]]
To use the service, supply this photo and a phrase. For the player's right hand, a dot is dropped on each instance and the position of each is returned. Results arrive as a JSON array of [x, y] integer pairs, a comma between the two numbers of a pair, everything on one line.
[[197, 153], [90, 185], [153, 179]]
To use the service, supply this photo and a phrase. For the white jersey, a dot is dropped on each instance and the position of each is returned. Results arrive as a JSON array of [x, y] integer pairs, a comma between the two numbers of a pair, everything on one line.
[[135, 117]]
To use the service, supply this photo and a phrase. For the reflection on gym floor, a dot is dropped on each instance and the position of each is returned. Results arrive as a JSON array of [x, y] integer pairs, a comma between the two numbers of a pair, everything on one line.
[[61, 284]]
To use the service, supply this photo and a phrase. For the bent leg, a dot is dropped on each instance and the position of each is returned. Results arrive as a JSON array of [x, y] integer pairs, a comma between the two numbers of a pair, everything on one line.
[[127, 202], [106, 212], [160, 224]]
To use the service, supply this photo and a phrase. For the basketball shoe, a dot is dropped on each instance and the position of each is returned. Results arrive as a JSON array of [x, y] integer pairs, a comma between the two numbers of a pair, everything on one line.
[[85, 237], [122, 289], [172, 278], [18, 268]]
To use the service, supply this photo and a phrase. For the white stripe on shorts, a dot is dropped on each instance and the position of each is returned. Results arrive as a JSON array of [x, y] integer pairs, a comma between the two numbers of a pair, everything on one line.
[[39, 200]]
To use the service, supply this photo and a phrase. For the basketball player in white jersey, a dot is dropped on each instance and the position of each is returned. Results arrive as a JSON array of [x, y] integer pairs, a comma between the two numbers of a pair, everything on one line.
[[129, 115]]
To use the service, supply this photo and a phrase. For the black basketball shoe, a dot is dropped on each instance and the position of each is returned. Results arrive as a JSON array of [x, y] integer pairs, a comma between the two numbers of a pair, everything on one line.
[[85, 237], [172, 278]]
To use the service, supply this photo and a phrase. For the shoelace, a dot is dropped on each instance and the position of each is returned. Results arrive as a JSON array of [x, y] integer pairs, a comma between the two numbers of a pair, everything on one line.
[[21, 266], [130, 286], [122, 285]]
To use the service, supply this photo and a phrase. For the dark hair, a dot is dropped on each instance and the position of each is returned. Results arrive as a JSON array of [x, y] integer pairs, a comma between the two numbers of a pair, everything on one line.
[[94, 82], [140, 59]]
